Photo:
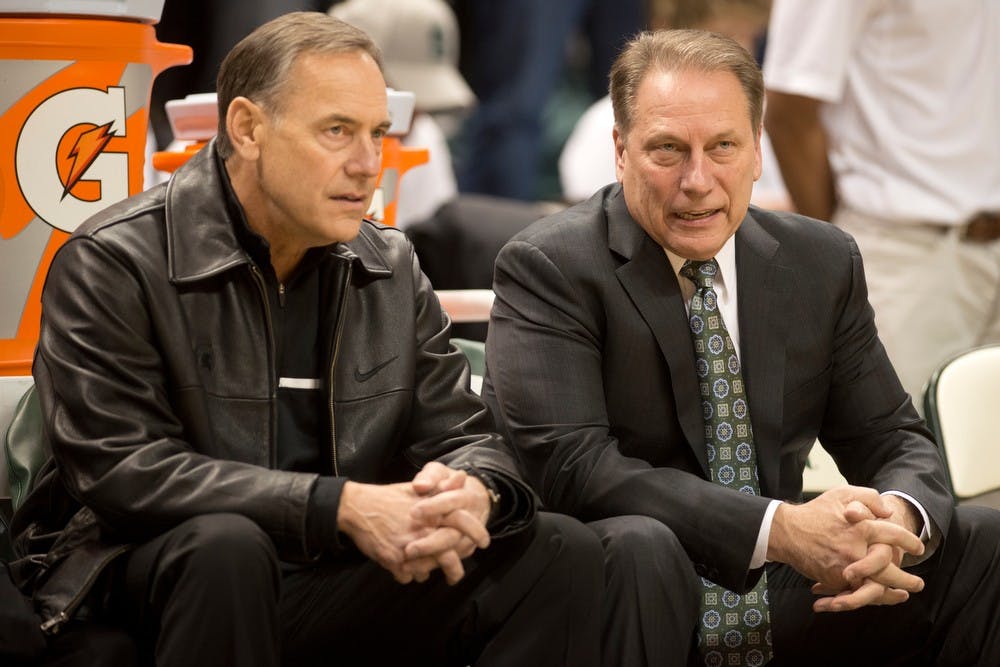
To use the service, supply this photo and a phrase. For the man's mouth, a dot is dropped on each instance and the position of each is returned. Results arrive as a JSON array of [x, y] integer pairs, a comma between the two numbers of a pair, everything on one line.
[[697, 215], [351, 198]]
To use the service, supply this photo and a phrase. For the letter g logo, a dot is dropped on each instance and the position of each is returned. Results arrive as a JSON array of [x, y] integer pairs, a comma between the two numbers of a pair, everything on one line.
[[63, 170]]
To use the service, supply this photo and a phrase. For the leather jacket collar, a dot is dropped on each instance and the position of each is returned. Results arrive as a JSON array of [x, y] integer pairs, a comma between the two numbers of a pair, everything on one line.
[[199, 251]]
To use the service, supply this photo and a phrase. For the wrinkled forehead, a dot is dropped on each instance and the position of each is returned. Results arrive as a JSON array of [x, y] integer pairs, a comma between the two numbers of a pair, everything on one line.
[[664, 96], [324, 81]]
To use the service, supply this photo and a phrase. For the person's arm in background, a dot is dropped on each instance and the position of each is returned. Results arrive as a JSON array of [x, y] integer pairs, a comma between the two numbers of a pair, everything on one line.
[[800, 144], [810, 45]]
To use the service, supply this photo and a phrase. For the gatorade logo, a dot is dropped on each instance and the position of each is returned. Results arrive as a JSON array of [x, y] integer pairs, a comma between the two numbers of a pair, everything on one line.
[[66, 165]]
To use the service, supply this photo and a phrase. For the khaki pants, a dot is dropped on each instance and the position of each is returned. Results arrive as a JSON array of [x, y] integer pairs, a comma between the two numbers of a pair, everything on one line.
[[934, 294]]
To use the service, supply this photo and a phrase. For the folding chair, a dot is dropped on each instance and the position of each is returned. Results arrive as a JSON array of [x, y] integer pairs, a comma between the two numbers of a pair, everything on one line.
[[962, 408]]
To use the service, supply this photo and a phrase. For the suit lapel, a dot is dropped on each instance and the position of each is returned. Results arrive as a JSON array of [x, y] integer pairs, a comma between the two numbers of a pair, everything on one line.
[[649, 281], [764, 294]]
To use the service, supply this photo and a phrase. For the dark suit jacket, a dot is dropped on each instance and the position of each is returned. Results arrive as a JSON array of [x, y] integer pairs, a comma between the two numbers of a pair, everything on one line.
[[591, 369]]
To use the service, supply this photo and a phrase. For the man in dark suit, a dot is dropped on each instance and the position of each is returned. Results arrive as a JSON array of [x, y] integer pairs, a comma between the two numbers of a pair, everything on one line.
[[689, 466]]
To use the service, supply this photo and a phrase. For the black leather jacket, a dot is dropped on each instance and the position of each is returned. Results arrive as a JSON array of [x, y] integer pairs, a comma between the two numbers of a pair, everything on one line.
[[155, 372]]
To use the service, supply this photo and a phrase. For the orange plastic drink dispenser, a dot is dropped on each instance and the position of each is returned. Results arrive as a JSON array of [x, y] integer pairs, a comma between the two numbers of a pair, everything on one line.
[[397, 159], [73, 123]]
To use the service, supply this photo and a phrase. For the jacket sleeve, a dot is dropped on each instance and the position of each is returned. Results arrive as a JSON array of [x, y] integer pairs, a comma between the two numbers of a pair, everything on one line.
[[870, 426], [105, 397], [545, 364], [450, 423]]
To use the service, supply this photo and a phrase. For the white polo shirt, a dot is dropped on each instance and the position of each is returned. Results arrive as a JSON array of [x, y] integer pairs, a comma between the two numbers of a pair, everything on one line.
[[913, 99]]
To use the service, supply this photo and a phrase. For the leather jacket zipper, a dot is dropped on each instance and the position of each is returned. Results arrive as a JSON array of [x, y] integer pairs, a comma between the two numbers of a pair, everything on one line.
[[54, 624], [272, 453], [341, 317]]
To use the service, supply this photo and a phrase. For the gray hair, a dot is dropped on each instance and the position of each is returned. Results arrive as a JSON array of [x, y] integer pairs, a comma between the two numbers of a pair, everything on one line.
[[675, 50]]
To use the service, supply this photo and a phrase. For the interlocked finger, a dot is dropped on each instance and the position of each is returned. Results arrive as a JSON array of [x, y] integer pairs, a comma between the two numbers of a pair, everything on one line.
[[889, 533], [869, 593], [451, 565]]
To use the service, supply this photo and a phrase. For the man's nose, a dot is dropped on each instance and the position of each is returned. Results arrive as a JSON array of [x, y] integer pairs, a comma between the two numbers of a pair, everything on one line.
[[366, 157], [697, 177]]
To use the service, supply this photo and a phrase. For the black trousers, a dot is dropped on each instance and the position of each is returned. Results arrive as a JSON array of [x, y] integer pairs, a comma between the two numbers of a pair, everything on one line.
[[212, 592], [651, 604]]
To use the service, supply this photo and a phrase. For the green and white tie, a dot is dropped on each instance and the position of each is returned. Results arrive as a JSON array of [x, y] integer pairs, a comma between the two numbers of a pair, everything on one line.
[[733, 629]]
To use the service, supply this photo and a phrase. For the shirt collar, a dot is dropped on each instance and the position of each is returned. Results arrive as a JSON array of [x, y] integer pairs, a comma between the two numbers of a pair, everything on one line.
[[726, 259]]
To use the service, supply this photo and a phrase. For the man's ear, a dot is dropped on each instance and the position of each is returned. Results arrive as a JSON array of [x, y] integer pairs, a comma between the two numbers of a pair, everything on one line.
[[244, 124], [619, 140], [758, 158]]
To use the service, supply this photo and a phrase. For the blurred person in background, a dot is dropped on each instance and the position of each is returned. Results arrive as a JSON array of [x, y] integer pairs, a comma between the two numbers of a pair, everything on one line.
[[884, 118], [514, 55]]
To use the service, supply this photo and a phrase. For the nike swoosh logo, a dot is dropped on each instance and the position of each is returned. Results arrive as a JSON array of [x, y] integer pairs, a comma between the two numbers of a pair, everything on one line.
[[364, 376]]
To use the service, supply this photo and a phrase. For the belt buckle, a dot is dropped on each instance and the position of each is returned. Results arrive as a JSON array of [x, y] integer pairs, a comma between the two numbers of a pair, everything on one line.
[[982, 227]]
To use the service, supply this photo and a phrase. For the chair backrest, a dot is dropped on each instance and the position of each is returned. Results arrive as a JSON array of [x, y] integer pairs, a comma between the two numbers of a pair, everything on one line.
[[475, 352], [821, 473], [12, 388], [962, 406], [25, 446]]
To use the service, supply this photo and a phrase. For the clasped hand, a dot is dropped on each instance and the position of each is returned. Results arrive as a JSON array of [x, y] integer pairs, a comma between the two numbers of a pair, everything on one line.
[[413, 528], [851, 541]]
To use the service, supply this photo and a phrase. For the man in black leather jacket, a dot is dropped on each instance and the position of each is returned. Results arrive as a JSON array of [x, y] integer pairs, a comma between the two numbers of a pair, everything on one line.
[[259, 429]]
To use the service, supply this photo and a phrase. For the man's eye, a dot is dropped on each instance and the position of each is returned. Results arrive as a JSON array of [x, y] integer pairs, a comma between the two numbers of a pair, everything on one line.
[[669, 147], [727, 145], [379, 134], [337, 129]]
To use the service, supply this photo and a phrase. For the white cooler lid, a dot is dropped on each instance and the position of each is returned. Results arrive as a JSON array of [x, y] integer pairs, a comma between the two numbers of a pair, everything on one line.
[[195, 117], [143, 10]]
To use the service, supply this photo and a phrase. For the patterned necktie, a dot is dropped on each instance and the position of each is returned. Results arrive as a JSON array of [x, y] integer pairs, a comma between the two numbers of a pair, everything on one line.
[[733, 629]]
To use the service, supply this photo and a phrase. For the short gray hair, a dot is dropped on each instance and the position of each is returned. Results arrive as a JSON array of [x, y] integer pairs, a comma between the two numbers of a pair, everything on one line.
[[675, 50], [259, 65]]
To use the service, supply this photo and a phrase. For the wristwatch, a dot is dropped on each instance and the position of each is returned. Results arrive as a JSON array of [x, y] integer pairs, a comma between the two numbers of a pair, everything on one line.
[[492, 490]]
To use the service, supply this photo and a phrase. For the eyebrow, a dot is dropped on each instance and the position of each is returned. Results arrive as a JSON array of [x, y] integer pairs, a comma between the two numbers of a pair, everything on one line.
[[672, 137], [347, 120]]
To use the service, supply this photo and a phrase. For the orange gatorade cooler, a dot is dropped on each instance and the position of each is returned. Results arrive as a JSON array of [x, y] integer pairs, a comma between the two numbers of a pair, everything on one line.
[[77, 76]]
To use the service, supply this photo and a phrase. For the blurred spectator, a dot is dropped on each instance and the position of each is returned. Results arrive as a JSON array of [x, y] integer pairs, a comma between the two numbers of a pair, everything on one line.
[[587, 162], [883, 116], [514, 57], [420, 43]]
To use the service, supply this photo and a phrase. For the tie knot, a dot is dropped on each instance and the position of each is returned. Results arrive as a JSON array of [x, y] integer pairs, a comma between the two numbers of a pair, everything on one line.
[[700, 272]]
